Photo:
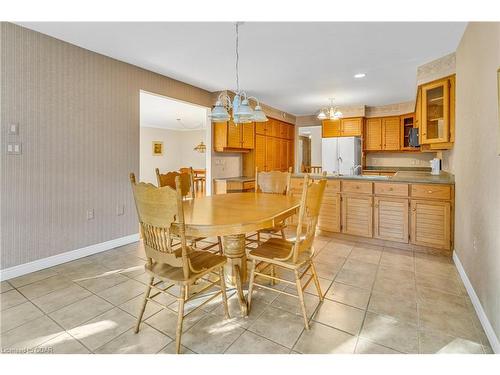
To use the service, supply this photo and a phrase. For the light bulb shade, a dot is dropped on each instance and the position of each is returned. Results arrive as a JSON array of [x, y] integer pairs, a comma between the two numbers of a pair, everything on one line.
[[337, 114], [243, 110], [242, 120], [321, 115], [219, 113], [259, 115]]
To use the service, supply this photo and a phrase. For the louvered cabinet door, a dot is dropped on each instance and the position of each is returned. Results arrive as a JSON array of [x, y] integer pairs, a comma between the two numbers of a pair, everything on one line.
[[329, 215], [277, 154], [430, 224], [373, 134], [248, 135], [357, 215], [270, 153], [391, 127], [284, 154], [260, 152], [390, 219], [233, 135]]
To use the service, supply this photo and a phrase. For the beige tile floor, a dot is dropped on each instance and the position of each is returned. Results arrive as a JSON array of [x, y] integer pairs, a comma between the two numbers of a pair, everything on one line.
[[378, 300]]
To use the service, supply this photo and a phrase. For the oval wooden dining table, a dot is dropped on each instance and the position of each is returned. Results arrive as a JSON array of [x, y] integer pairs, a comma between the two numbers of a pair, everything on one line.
[[232, 216]]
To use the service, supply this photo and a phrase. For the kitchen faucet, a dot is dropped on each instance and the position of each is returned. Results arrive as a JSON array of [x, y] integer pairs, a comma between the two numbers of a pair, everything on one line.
[[354, 169]]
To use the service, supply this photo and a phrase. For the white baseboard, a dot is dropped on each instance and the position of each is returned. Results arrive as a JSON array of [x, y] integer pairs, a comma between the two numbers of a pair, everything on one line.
[[488, 329], [40, 264]]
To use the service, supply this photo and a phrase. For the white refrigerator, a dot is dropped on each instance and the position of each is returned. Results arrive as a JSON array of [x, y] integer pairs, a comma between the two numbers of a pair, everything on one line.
[[341, 155]]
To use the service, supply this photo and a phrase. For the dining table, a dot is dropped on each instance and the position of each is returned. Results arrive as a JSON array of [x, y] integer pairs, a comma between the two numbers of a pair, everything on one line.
[[233, 216]]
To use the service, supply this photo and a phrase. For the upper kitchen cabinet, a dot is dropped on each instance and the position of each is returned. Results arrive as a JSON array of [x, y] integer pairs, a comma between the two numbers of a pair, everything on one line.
[[231, 137], [373, 134], [351, 127], [346, 127], [437, 114], [407, 123], [330, 128], [390, 133]]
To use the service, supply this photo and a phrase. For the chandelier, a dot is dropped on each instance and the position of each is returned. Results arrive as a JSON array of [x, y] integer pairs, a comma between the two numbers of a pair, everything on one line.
[[331, 113], [201, 148], [242, 111]]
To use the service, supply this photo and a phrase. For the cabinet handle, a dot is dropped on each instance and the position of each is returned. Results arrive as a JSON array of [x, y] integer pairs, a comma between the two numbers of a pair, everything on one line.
[[429, 192], [391, 189], [414, 209]]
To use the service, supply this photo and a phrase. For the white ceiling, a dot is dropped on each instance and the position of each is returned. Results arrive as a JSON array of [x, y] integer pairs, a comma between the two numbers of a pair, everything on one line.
[[160, 112], [294, 67]]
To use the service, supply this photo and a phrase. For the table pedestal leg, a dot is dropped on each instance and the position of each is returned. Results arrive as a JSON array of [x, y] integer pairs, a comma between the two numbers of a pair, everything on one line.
[[236, 267]]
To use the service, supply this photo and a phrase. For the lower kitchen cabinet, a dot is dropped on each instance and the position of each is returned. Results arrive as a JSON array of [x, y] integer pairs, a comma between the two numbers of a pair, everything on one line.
[[431, 224], [357, 214], [329, 215], [390, 219]]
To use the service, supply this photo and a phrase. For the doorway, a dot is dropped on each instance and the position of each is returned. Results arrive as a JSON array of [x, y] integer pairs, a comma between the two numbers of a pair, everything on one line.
[[174, 135], [309, 150]]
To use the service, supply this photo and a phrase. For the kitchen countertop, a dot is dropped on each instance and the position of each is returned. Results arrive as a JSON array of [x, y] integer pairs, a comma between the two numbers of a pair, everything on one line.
[[236, 179], [396, 169], [421, 177]]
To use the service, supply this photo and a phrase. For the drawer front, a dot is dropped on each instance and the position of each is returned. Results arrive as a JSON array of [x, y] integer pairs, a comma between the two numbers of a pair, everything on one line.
[[248, 185], [431, 191], [332, 188], [360, 187], [399, 190]]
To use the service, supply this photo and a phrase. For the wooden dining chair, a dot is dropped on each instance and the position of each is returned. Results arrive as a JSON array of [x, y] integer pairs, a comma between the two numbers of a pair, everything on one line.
[[295, 255], [187, 188], [160, 213], [186, 179], [273, 182]]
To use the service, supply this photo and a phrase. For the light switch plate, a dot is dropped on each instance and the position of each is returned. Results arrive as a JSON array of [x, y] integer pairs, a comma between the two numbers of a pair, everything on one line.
[[14, 148], [13, 129]]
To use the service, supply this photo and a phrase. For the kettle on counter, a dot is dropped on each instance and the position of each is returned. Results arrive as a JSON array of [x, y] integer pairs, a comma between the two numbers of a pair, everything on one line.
[[435, 166]]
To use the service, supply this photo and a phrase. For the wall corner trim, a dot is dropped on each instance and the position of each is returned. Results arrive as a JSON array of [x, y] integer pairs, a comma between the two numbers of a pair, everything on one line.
[[39, 264], [488, 329]]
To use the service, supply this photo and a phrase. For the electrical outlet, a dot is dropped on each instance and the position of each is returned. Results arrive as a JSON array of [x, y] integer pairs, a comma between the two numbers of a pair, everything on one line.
[[14, 148], [13, 129], [120, 210], [90, 214]]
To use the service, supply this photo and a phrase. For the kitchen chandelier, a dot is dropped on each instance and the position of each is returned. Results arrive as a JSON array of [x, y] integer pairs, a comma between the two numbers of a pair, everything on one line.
[[242, 111], [201, 148], [331, 113]]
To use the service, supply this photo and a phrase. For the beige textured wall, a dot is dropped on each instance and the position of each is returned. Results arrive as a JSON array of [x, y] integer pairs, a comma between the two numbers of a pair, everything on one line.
[[177, 151], [476, 164], [78, 114]]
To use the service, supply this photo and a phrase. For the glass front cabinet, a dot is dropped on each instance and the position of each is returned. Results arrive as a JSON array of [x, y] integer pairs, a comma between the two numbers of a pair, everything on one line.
[[437, 112]]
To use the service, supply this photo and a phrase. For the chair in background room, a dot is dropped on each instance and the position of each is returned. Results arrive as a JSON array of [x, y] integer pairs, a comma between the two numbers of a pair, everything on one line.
[[273, 182], [186, 179], [160, 211], [295, 255]]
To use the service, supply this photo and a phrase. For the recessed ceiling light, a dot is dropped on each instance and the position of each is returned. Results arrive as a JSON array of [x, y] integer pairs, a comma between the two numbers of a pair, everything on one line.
[[360, 75]]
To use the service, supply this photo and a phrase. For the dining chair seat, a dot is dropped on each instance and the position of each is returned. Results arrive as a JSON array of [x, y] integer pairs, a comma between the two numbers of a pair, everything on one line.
[[277, 250], [202, 261]]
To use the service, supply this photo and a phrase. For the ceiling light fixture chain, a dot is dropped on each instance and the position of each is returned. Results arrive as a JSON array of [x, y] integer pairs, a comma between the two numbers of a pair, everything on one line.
[[242, 112]]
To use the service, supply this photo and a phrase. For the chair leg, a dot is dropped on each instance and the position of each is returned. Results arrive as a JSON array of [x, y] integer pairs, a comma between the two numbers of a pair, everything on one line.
[[316, 281], [219, 240], [224, 294], [273, 274], [144, 303], [301, 298], [186, 293], [283, 234], [258, 238], [180, 318], [250, 285]]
